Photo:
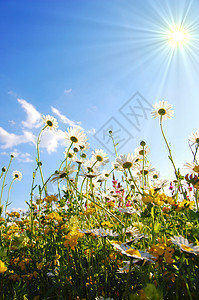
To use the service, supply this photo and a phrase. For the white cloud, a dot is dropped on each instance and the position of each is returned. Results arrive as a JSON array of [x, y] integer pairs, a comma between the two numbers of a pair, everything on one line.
[[12, 123], [67, 91], [10, 140], [91, 131], [64, 119], [12, 93], [3, 153], [34, 118], [51, 140], [22, 157]]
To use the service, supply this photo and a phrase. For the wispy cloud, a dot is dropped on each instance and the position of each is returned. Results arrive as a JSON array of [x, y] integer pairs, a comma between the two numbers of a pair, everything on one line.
[[91, 131], [22, 157], [68, 91], [12, 93], [51, 140], [64, 119], [9, 140], [34, 118]]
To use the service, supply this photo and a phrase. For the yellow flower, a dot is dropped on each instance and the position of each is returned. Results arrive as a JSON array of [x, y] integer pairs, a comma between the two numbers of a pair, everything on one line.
[[3, 268], [14, 277], [40, 266], [132, 251], [50, 198]]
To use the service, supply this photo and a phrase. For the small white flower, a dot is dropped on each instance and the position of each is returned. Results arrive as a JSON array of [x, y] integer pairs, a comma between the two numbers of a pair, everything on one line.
[[192, 167], [101, 232], [133, 253], [163, 110], [50, 122], [184, 245], [147, 171], [70, 154], [128, 210], [140, 151], [194, 138], [90, 168], [64, 173], [76, 136], [100, 156], [105, 175], [125, 161], [17, 175]]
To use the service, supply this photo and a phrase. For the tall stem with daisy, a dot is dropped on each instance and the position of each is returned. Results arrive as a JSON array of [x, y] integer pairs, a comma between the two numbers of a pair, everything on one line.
[[51, 124]]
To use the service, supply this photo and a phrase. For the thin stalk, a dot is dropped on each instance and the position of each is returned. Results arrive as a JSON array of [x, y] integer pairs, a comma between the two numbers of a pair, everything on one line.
[[8, 198], [114, 145], [126, 291], [170, 154], [3, 184], [38, 159]]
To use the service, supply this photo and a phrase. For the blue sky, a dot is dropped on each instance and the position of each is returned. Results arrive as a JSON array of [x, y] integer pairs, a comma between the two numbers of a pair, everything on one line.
[[92, 63]]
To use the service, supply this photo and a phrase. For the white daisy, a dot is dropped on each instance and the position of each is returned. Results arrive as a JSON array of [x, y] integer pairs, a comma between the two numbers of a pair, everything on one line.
[[194, 138], [64, 173], [128, 210], [101, 232], [133, 253], [90, 169], [160, 183], [140, 151], [50, 122], [100, 156], [70, 154], [192, 167], [76, 136], [17, 175], [162, 109], [125, 161], [148, 169], [105, 175], [155, 175], [184, 245], [85, 146], [95, 183]]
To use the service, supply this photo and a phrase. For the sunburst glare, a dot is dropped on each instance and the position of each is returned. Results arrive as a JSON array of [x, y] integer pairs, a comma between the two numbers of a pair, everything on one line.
[[177, 36]]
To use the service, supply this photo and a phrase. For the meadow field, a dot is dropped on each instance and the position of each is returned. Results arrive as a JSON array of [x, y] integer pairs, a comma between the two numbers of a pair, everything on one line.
[[118, 233]]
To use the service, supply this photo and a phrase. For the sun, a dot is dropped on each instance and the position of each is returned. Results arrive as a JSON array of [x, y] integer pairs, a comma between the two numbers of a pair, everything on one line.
[[177, 36]]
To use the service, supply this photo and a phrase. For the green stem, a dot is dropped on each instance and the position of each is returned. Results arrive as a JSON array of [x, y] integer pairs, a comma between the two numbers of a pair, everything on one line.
[[170, 155], [3, 184], [8, 198], [38, 159], [126, 291], [114, 145]]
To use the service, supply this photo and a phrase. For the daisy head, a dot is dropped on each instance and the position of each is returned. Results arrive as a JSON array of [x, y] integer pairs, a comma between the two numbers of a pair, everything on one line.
[[125, 161], [194, 138], [100, 157], [184, 245], [162, 110], [76, 136], [50, 122], [192, 167], [142, 151], [17, 175], [70, 154]]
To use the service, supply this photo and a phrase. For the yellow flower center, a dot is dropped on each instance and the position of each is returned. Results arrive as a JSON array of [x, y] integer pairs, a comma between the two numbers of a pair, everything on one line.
[[127, 165], [196, 169], [49, 123], [133, 252], [162, 111], [99, 158], [186, 248], [74, 139]]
